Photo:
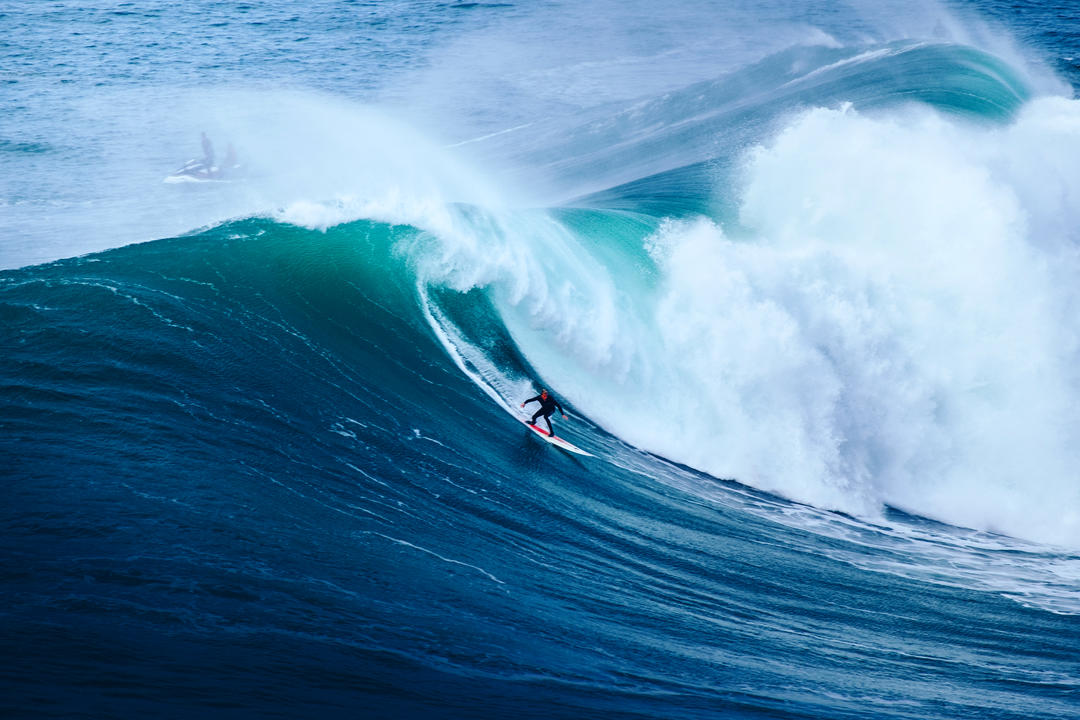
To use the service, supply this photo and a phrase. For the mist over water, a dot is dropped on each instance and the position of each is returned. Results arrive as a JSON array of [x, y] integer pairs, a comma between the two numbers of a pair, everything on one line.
[[85, 149]]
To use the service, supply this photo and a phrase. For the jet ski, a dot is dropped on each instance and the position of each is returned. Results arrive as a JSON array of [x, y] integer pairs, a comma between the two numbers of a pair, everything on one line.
[[196, 171]]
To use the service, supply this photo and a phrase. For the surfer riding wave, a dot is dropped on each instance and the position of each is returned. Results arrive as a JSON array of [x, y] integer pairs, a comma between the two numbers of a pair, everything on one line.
[[548, 404]]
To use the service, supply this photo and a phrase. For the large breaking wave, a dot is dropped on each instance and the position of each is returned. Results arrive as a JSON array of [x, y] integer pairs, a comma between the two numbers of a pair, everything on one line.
[[854, 305]]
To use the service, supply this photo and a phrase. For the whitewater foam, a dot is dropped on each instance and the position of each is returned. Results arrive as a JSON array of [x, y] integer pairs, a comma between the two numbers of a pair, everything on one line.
[[892, 323]]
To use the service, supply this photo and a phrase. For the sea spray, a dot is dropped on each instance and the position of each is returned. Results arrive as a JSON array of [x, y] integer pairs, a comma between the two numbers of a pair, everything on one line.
[[883, 327]]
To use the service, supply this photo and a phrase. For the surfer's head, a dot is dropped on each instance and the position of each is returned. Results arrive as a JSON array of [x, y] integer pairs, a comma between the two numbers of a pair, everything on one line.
[[543, 393]]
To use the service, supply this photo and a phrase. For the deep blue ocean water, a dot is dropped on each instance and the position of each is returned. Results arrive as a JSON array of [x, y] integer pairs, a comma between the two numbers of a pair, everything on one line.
[[804, 276]]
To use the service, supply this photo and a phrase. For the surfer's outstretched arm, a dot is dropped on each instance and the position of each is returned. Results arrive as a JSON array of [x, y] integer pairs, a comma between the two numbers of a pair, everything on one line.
[[534, 399]]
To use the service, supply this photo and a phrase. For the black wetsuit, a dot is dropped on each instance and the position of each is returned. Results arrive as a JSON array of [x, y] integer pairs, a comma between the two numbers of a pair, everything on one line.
[[547, 406]]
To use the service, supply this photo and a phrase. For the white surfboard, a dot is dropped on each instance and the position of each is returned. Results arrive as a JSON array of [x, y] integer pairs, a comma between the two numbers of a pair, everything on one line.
[[557, 441]]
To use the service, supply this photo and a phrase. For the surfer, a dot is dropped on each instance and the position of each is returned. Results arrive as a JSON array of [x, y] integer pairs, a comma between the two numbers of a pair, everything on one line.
[[547, 407]]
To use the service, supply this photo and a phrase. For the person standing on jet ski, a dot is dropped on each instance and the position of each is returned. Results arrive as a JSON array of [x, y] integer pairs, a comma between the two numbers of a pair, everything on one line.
[[547, 407]]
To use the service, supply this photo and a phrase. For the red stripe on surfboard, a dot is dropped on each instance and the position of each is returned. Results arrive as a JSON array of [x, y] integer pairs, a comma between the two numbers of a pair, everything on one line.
[[540, 430]]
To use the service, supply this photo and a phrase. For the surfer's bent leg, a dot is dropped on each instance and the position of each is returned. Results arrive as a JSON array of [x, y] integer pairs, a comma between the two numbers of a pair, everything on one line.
[[551, 430], [536, 414]]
